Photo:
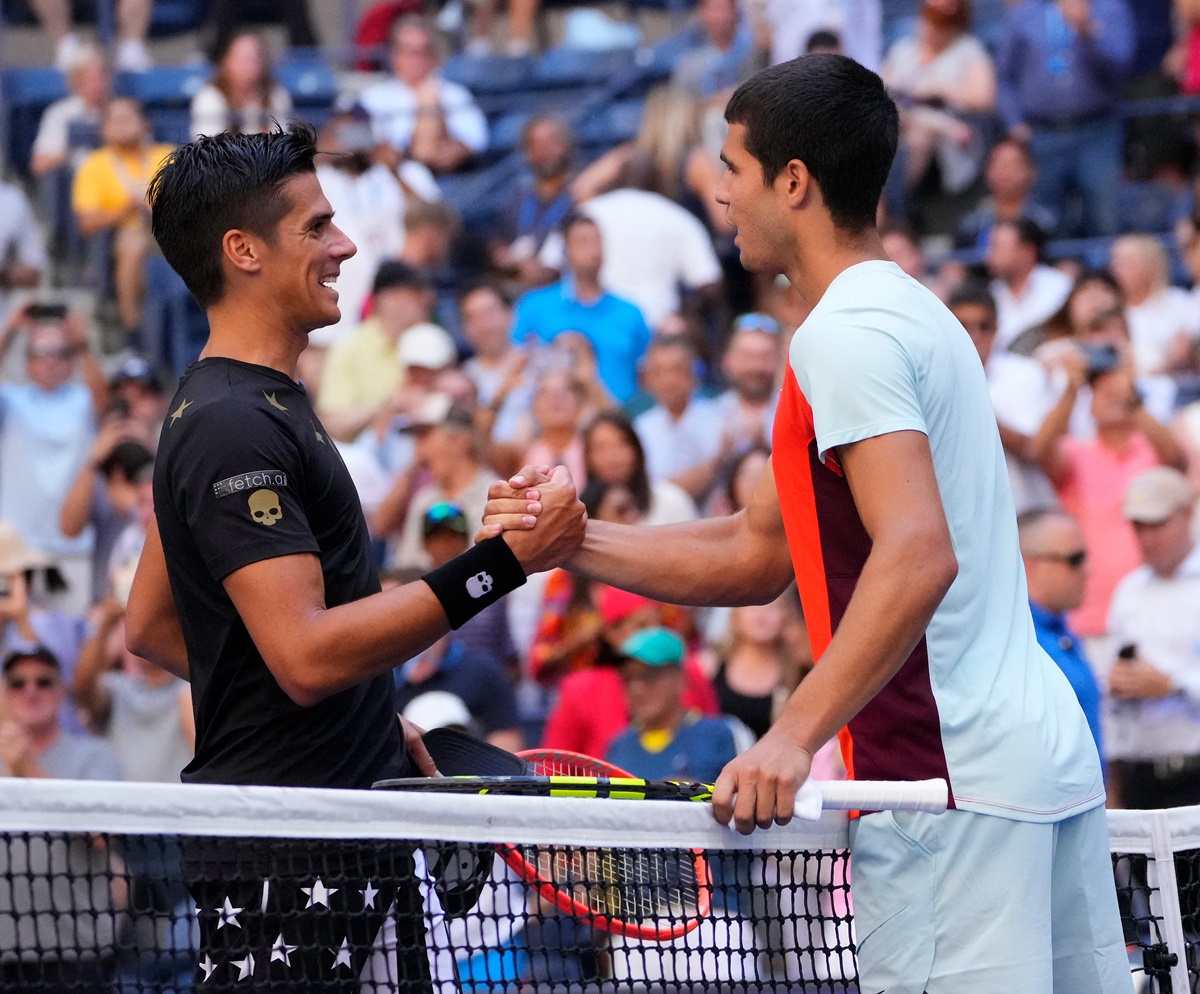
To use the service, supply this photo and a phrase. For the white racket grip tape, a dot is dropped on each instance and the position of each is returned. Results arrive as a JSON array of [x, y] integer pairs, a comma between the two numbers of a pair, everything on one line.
[[931, 796]]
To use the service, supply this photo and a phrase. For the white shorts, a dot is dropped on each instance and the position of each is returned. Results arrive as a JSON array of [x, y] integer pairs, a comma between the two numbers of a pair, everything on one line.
[[968, 902]]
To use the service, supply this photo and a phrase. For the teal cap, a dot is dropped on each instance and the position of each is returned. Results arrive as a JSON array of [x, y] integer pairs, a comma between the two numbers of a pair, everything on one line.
[[654, 647]]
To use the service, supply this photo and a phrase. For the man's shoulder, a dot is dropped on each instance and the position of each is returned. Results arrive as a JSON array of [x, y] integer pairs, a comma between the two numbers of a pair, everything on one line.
[[622, 308], [387, 92]]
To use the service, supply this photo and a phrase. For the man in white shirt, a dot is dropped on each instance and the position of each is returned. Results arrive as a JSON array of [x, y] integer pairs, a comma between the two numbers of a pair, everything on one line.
[[1027, 292], [681, 433], [1154, 626], [1164, 321], [652, 247], [429, 119], [89, 81]]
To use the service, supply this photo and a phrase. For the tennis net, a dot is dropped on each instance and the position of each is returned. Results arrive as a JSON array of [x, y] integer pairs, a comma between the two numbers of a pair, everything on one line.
[[127, 888]]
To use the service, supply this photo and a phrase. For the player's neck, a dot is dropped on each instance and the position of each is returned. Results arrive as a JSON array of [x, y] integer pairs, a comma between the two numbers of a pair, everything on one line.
[[253, 335], [821, 259]]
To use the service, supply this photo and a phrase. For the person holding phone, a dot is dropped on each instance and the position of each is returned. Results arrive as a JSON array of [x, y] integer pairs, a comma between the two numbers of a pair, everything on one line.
[[1154, 682]]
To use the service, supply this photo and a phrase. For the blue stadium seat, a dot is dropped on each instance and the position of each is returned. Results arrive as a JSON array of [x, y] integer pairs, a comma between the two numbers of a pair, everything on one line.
[[164, 86], [173, 17], [1147, 207], [504, 134], [659, 59], [490, 73], [172, 125], [309, 81], [581, 67], [616, 123], [26, 93]]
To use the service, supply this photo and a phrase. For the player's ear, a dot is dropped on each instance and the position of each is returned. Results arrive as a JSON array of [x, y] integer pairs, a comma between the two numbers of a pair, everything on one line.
[[243, 250], [797, 183]]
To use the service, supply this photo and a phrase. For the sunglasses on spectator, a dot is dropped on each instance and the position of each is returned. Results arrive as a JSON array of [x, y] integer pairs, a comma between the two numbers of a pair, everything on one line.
[[20, 682], [1072, 559]]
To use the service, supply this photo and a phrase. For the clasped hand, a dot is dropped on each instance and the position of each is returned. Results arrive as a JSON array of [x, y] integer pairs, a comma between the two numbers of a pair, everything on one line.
[[539, 514]]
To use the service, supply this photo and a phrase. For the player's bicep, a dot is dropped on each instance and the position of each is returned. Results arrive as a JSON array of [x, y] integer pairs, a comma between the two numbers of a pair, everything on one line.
[[278, 599], [763, 530], [895, 489]]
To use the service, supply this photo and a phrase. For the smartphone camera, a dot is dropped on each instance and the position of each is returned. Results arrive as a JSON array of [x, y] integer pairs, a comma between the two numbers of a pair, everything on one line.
[[1127, 651], [1101, 359]]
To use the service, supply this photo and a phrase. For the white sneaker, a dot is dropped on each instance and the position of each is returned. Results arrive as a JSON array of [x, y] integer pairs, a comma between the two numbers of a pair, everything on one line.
[[132, 56], [67, 51]]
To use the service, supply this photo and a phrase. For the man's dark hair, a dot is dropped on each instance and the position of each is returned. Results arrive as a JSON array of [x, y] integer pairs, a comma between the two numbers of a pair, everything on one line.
[[972, 293], [834, 116], [216, 184], [573, 220], [126, 458], [823, 41], [1028, 232], [491, 286]]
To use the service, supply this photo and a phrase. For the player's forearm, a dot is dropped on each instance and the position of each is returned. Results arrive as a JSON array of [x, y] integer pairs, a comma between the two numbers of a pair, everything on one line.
[[900, 587], [702, 563]]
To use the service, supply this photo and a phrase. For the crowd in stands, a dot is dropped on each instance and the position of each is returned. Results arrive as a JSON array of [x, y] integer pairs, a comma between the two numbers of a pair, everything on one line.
[[599, 318]]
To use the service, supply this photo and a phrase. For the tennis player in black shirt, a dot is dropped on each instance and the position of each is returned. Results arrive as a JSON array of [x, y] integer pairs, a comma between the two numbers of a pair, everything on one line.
[[256, 582]]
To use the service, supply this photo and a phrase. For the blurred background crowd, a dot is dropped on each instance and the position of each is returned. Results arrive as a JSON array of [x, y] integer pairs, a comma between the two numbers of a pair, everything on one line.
[[543, 275]]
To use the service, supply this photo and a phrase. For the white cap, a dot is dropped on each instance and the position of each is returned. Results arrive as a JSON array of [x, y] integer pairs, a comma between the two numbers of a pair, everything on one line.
[[426, 345], [437, 709]]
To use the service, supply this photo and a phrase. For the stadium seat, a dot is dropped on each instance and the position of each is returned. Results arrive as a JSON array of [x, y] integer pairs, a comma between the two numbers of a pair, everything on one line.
[[174, 17], [172, 125], [1147, 207], [490, 73], [26, 93], [309, 81], [164, 86], [559, 67], [616, 123], [504, 134]]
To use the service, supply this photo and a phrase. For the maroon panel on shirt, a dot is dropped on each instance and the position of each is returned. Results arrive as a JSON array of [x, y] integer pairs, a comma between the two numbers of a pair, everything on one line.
[[897, 735]]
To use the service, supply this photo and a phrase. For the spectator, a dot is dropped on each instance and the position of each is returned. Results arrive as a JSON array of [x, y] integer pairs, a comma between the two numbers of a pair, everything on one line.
[[419, 114], [498, 369], [580, 302], [1091, 476], [133, 21], [685, 168], [370, 201], [449, 667], [363, 372], [1094, 296], [541, 203], [104, 496], [904, 250], [143, 711], [46, 431], [1163, 322], [727, 55], [447, 449], [681, 434], [652, 246], [665, 740], [137, 393], [1060, 67], [1154, 681], [559, 403], [23, 257], [32, 742], [591, 708], [613, 454], [59, 142], [756, 671], [1027, 291], [751, 365], [242, 95], [521, 23], [429, 228], [1020, 392], [1010, 175], [226, 17], [446, 533], [1055, 557], [109, 195], [858, 24], [945, 84]]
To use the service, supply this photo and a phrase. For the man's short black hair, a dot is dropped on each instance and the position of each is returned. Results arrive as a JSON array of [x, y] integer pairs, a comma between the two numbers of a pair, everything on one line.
[[834, 116], [218, 183], [573, 220], [38, 653], [972, 293], [126, 458], [490, 285], [1028, 232]]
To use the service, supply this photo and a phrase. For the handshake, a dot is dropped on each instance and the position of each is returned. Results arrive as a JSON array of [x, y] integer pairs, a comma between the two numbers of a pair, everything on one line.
[[540, 516]]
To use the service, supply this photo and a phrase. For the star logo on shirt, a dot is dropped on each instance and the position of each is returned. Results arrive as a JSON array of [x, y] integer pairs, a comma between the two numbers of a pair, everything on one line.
[[270, 399], [341, 955], [228, 915], [320, 437], [178, 412], [318, 893], [208, 966], [282, 951], [368, 895], [245, 966]]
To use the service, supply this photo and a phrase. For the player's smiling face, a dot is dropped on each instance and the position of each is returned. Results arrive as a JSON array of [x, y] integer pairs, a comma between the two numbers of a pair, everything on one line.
[[755, 208], [307, 256]]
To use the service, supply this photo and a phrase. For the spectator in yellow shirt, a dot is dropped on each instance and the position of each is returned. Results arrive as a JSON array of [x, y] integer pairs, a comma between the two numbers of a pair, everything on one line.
[[109, 195]]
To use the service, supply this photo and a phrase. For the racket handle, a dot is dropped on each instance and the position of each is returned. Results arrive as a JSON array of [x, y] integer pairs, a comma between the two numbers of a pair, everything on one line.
[[931, 796]]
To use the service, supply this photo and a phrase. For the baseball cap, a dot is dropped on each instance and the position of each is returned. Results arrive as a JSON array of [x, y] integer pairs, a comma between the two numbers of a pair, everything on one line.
[[435, 410], [426, 345], [616, 604], [445, 515], [1155, 494], [38, 652], [437, 709], [393, 274], [654, 647], [135, 369]]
